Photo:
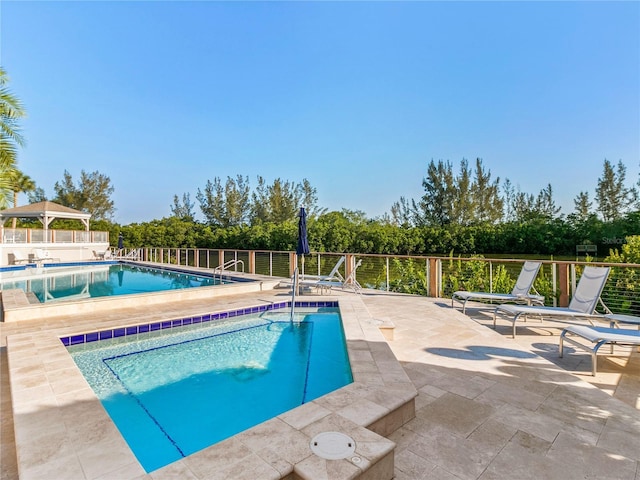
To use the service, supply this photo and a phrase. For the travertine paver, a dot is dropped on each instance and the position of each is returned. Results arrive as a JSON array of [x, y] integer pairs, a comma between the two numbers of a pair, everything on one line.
[[489, 407]]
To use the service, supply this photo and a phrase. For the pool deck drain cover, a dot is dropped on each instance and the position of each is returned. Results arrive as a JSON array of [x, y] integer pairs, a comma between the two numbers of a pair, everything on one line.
[[333, 445]]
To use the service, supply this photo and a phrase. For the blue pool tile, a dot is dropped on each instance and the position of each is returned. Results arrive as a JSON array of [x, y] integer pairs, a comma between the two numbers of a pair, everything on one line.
[[133, 330], [92, 337], [105, 335]]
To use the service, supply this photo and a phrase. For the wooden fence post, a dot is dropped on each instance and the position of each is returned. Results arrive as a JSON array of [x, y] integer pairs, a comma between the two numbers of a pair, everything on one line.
[[349, 264], [252, 261], [563, 284], [293, 263], [433, 277]]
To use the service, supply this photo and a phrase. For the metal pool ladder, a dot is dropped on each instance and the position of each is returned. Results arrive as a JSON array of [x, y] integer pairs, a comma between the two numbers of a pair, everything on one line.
[[293, 292], [220, 269]]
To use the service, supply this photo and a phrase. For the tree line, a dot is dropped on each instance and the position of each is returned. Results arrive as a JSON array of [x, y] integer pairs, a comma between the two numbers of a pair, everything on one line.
[[472, 197], [234, 204]]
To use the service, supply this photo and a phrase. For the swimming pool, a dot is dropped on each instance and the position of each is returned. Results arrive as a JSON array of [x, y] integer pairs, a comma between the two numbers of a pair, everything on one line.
[[175, 391], [74, 282]]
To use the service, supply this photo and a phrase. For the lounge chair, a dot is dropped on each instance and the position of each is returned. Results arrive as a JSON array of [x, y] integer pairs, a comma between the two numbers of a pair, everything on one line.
[[597, 336], [334, 274], [312, 280], [19, 258], [41, 255], [519, 294], [326, 285], [106, 255], [582, 306]]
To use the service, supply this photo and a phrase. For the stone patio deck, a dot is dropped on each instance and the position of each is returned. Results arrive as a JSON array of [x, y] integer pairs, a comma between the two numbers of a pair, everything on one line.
[[488, 406]]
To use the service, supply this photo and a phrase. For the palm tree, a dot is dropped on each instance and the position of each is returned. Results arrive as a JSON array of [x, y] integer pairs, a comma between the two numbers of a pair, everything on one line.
[[11, 110], [7, 173], [21, 183]]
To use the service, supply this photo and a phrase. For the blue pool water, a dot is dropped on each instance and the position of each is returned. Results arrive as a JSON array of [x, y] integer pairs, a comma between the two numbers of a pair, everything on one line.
[[101, 280], [172, 393]]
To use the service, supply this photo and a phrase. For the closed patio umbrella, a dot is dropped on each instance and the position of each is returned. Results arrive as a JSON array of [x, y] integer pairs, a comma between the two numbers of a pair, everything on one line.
[[303, 243], [120, 241]]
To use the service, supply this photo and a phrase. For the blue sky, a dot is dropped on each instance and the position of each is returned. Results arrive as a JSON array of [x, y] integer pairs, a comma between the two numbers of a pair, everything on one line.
[[357, 97]]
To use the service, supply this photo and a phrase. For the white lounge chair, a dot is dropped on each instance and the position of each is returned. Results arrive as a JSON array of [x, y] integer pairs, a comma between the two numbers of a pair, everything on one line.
[[19, 258], [41, 255], [312, 280], [582, 306], [519, 294], [106, 255], [334, 274], [597, 336], [325, 285]]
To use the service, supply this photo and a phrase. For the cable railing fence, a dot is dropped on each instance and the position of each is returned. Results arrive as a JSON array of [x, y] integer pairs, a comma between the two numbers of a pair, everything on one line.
[[420, 275]]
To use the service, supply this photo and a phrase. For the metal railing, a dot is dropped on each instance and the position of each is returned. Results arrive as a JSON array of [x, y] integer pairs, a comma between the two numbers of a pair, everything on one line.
[[228, 265], [293, 293], [36, 235], [422, 275]]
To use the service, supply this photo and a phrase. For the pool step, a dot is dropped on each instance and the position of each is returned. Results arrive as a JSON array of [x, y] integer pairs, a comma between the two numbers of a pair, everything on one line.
[[31, 297]]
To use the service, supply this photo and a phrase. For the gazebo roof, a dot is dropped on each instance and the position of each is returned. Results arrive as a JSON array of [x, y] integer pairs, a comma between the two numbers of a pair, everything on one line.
[[46, 212]]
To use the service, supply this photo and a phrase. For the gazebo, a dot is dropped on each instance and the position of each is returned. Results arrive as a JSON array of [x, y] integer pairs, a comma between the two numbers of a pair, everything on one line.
[[68, 245], [46, 212]]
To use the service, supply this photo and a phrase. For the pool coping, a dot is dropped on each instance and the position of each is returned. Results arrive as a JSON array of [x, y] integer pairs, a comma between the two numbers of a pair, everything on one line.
[[63, 431]]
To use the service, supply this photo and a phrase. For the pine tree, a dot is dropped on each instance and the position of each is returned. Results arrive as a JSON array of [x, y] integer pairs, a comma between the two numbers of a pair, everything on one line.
[[486, 196], [612, 196], [92, 194], [582, 206]]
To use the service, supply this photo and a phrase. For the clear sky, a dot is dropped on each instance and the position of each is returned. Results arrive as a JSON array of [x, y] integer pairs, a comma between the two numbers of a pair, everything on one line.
[[357, 97]]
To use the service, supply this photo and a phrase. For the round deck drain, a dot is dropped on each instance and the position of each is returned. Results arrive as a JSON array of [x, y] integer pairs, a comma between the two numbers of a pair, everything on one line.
[[333, 445]]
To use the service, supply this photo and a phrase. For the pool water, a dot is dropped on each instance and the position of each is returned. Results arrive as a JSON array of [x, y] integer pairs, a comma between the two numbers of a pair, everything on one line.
[[54, 284], [174, 393]]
